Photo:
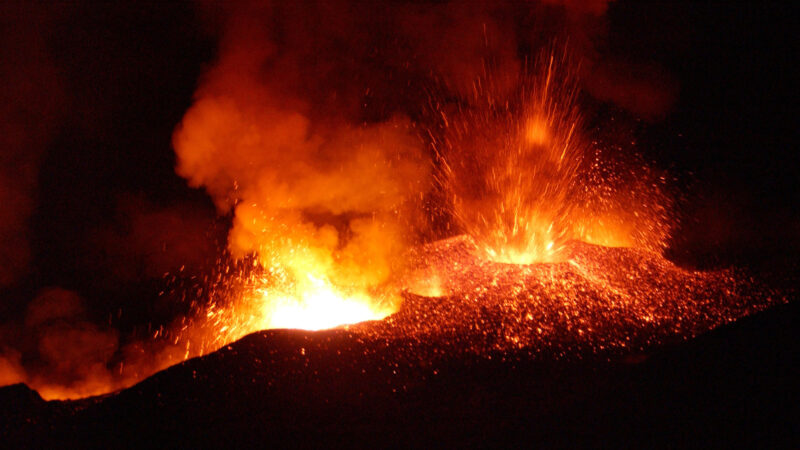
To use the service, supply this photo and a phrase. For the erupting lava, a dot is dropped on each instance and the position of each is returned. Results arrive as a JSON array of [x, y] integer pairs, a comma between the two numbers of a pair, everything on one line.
[[562, 243], [510, 165], [323, 215], [523, 180], [319, 207], [316, 305]]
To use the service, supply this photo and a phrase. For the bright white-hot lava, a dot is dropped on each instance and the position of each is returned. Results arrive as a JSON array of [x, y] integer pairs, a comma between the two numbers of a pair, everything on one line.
[[317, 305]]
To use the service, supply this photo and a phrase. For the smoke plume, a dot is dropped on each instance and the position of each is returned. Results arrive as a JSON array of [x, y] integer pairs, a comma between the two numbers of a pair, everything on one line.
[[30, 104], [317, 187]]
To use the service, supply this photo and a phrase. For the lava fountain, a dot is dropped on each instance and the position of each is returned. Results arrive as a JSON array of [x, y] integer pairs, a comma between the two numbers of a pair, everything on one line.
[[510, 164], [523, 180]]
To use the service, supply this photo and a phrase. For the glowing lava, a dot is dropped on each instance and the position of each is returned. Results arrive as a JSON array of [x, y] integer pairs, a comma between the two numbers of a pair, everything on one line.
[[322, 213], [510, 165], [601, 302], [318, 306], [522, 178]]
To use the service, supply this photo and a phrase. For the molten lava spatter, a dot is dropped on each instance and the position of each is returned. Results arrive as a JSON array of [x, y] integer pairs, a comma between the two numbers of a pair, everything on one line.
[[510, 165], [600, 301], [523, 179]]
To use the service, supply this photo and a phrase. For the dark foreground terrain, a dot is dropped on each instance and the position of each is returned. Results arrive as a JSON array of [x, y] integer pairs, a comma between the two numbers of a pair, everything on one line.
[[734, 386]]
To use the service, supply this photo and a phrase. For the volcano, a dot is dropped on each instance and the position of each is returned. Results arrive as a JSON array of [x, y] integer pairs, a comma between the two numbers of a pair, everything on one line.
[[611, 347], [550, 223]]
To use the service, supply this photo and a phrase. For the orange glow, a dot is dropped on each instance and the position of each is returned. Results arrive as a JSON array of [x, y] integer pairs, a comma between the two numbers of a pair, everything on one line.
[[521, 179], [309, 137], [318, 306], [425, 283], [322, 212], [323, 215], [510, 166], [536, 132], [606, 231], [318, 204]]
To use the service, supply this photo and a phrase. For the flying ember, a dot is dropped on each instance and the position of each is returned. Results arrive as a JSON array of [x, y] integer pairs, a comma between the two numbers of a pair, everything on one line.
[[510, 164]]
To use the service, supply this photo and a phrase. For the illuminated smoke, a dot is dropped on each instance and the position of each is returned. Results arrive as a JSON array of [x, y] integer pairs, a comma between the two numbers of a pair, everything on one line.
[[321, 200], [71, 352]]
